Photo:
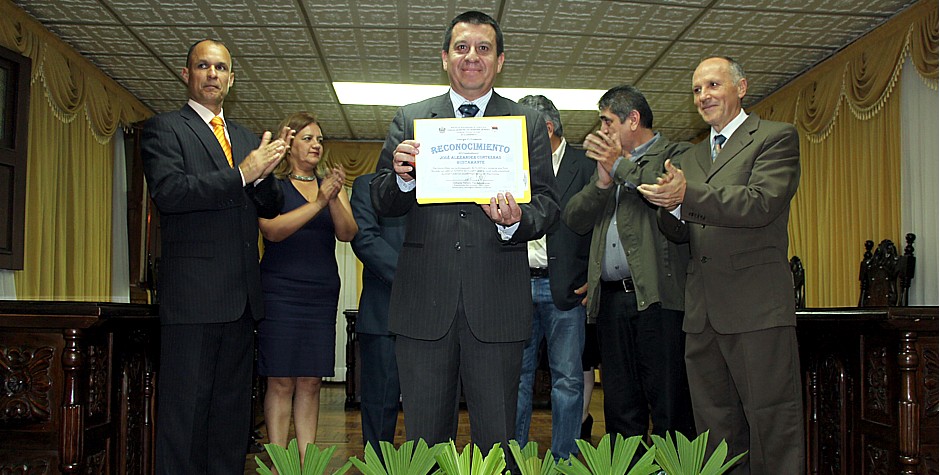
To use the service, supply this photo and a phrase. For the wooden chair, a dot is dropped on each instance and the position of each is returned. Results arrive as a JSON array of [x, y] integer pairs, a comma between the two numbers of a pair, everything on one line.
[[799, 282], [885, 276]]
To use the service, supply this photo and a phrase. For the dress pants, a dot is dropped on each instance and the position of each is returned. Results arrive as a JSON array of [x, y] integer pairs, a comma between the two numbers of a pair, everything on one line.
[[204, 397], [433, 372], [746, 390], [563, 331], [380, 392], [642, 367]]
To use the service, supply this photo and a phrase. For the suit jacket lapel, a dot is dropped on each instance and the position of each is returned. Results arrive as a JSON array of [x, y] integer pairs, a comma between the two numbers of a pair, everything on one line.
[[240, 148], [205, 135], [566, 173], [742, 137], [443, 108], [497, 106], [701, 158]]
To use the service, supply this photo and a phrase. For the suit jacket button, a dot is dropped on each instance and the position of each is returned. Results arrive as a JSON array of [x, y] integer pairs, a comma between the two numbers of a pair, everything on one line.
[[463, 214], [457, 245], [704, 259]]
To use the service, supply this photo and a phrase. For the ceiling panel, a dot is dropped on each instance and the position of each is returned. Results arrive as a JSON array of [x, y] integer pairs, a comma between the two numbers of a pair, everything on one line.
[[287, 52]]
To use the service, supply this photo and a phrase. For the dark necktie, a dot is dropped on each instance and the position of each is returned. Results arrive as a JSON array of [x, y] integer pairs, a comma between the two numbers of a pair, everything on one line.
[[719, 141], [468, 110]]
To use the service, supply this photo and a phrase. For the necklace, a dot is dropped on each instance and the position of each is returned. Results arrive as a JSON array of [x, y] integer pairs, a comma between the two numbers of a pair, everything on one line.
[[303, 177]]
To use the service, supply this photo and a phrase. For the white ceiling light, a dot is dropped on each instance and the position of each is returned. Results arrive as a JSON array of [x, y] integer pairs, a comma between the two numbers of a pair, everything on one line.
[[384, 94]]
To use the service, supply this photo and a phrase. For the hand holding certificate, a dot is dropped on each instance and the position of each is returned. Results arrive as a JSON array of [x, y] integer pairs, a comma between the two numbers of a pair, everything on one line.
[[473, 160]]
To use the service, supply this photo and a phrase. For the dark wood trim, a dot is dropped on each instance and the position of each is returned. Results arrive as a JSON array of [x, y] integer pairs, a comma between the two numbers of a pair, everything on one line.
[[870, 384], [86, 374], [13, 154]]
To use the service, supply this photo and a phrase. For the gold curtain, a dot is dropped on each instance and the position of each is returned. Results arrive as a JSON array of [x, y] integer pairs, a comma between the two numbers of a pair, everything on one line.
[[356, 158], [73, 113], [848, 115]]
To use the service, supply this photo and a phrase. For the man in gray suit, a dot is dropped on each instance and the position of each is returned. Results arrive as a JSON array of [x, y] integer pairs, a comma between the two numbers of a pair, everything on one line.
[[635, 276], [733, 195], [210, 190], [558, 266], [377, 245], [461, 305]]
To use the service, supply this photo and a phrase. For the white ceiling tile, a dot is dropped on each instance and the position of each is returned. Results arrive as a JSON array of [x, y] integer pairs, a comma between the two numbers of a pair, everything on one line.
[[287, 51], [121, 67], [66, 11], [883, 8]]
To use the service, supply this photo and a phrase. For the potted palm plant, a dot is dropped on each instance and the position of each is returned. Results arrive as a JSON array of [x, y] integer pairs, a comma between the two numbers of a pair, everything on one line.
[[672, 455], [409, 459], [287, 461]]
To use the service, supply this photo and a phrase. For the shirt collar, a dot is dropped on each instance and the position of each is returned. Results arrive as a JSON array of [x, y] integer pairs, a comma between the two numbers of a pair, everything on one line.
[[205, 113], [558, 154], [457, 100], [642, 149], [730, 128]]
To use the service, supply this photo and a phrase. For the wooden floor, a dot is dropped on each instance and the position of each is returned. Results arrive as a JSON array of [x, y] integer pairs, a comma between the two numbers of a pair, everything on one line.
[[342, 428]]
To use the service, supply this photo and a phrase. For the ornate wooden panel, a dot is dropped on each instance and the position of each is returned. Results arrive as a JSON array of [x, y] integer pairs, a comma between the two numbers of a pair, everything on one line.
[[871, 389], [62, 365], [876, 406], [26, 384], [831, 399], [32, 466]]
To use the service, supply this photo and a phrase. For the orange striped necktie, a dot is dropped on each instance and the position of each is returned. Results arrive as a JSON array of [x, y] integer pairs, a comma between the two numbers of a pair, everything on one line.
[[218, 128]]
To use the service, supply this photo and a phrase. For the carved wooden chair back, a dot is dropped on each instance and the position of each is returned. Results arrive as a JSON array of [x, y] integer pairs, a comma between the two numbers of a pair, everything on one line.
[[885, 275], [799, 282]]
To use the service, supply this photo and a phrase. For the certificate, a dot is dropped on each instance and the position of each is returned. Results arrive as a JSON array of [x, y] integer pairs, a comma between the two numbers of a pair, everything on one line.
[[472, 159]]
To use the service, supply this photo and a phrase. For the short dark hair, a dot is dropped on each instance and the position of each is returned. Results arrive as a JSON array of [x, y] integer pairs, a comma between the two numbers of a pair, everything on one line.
[[189, 54], [624, 99], [547, 108], [474, 17]]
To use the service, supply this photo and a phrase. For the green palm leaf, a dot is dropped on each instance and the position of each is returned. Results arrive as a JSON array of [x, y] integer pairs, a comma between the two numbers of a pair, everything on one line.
[[527, 459], [686, 458], [470, 461], [409, 459], [287, 461], [605, 460]]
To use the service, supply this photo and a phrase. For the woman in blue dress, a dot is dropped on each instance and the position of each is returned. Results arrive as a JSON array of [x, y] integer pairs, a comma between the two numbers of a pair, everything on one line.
[[300, 279]]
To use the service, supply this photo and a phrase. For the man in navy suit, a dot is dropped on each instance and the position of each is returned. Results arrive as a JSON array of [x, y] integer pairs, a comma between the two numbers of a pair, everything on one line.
[[558, 265], [461, 303], [377, 245], [210, 191]]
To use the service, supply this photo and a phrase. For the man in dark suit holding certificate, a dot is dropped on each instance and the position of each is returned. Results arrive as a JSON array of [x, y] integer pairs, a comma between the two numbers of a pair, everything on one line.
[[733, 195], [205, 177], [461, 305]]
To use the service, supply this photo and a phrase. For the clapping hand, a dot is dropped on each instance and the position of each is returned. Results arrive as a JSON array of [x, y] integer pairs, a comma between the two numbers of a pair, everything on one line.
[[669, 190], [604, 149], [331, 186], [262, 160]]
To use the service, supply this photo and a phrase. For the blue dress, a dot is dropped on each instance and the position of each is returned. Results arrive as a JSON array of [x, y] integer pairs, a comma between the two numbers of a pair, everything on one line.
[[300, 280]]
